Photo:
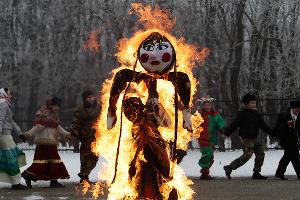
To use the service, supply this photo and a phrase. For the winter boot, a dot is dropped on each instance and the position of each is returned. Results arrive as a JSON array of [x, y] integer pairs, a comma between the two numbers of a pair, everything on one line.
[[228, 171], [258, 176], [281, 177], [206, 176], [18, 187], [28, 178], [55, 184]]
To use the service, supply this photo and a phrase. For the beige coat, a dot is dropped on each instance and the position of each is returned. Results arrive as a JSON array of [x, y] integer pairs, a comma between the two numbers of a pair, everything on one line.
[[46, 135]]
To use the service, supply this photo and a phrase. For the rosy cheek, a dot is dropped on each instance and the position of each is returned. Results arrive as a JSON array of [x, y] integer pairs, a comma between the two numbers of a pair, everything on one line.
[[144, 58], [166, 57]]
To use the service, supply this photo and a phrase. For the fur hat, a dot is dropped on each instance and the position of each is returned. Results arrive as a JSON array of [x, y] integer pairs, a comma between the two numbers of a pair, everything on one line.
[[295, 103], [249, 97]]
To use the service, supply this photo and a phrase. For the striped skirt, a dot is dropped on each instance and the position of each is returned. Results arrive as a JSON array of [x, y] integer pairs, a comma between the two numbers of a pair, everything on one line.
[[47, 164], [11, 159]]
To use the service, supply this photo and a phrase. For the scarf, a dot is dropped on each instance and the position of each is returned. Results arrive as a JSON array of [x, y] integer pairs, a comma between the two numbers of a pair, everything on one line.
[[45, 116]]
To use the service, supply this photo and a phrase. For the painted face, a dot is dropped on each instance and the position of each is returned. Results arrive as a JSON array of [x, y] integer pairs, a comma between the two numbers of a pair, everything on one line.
[[156, 56]]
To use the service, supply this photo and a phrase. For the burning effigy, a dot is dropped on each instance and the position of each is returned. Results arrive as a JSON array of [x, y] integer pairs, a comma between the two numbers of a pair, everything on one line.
[[145, 115]]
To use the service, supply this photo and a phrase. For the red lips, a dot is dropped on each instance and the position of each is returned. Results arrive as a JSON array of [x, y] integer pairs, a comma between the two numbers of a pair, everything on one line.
[[155, 62]]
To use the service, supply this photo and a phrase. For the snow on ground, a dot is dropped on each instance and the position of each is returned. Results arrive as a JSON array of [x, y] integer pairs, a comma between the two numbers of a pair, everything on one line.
[[272, 157], [189, 163]]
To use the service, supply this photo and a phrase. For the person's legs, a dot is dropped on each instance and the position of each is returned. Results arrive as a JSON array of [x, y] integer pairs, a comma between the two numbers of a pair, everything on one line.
[[12, 158], [282, 165], [259, 160], [259, 157], [88, 161], [248, 148], [295, 159], [206, 161]]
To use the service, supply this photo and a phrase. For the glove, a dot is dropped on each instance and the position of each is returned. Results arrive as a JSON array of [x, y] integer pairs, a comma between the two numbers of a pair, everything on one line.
[[22, 137]]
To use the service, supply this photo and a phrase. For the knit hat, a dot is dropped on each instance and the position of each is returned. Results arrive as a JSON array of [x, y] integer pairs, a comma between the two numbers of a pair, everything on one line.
[[249, 97], [295, 103]]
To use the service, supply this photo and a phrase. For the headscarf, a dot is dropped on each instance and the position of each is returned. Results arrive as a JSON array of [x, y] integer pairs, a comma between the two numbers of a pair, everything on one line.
[[45, 116], [3, 96]]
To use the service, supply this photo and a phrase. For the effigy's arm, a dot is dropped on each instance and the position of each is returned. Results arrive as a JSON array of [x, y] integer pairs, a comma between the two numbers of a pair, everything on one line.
[[119, 84], [183, 88]]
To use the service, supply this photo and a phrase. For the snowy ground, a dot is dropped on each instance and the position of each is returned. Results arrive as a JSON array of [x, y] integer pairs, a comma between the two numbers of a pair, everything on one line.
[[190, 165]]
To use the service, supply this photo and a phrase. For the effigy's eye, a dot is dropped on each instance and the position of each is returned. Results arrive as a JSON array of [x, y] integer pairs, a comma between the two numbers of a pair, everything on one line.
[[148, 48], [161, 47]]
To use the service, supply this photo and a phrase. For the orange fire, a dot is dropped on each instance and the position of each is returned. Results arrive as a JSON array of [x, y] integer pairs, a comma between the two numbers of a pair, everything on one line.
[[154, 20], [92, 43]]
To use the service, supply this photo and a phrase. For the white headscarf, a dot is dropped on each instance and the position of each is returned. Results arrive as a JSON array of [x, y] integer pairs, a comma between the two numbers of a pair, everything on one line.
[[3, 95]]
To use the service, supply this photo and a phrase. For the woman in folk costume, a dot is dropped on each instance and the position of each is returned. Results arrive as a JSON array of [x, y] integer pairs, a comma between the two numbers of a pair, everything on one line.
[[213, 123], [47, 164], [11, 157]]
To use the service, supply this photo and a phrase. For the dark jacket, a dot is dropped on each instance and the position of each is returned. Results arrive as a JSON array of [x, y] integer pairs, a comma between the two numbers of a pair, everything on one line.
[[249, 121], [84, 119], [288, 136]]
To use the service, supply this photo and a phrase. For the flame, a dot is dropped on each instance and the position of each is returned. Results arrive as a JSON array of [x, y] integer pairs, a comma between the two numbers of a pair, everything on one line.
[[92, 43], [197, 120], [153, 18], [84, 187], [188, 56]]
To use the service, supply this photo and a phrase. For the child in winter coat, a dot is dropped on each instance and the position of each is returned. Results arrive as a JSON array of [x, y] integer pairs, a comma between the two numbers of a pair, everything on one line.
[[85, 116], [47, 164], [11, 157], [212, 125], [249, 121]]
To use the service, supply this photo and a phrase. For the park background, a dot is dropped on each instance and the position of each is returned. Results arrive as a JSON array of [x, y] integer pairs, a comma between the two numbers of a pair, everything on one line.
[[254, 46]]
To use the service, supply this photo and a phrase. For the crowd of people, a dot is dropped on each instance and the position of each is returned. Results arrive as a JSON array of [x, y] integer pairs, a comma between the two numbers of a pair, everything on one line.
[[47, 164], [249, 121]]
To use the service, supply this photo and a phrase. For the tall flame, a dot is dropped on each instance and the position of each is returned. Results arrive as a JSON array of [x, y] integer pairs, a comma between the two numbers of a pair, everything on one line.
[[92, 43], [154, 20]]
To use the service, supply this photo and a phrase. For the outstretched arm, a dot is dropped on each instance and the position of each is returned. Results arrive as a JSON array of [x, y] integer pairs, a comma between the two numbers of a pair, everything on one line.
[[265, 127], [233, 125], [183, 88], [119, 84], [76, 124]]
